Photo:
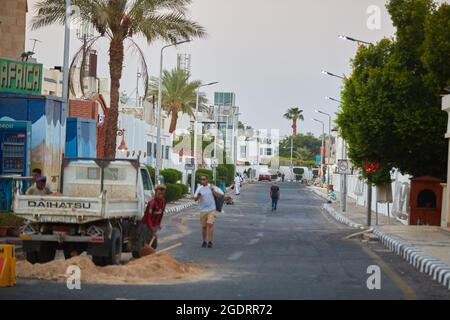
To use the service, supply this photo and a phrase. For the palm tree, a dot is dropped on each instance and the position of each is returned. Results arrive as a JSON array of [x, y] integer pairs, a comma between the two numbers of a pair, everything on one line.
[[294, 114], [179, 94], [118, 21]]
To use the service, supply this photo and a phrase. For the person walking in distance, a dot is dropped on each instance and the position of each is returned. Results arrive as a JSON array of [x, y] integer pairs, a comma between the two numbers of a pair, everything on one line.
[[237, 184], [205, 195], [274, 195]]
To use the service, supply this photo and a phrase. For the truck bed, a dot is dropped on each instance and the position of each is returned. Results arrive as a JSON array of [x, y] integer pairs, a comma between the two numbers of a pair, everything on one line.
[[73, 210]]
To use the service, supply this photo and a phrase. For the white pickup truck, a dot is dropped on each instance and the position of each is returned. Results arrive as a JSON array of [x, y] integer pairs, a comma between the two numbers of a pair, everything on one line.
[[99, 211]]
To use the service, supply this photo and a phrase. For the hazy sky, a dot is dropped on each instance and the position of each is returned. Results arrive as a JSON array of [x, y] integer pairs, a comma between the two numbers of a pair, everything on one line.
[[269, 52]]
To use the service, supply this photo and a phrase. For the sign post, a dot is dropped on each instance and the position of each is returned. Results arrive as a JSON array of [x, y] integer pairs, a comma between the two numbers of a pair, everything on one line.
[[344, 169]]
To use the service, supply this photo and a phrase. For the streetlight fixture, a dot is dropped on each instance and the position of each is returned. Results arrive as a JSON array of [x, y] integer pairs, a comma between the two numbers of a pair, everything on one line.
[[330, 147], [354, 40], [333, 99], [323, 141], [332, 75], [158, 125], [197, 102]]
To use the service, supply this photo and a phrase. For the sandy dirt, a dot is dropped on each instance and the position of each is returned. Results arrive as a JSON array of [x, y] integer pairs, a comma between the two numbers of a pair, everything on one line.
[[152, 269]]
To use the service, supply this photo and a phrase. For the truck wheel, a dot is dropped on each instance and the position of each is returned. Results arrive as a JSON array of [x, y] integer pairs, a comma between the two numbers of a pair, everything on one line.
[[31, 257], [115, 249], [46, 253], [98, 261]]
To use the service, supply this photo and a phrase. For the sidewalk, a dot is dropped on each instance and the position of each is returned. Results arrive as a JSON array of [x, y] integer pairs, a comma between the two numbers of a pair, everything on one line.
[[355, 214], [427, 248]]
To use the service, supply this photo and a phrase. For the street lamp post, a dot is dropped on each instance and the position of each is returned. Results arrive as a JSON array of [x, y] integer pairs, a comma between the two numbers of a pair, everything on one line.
[[354, 40], [65, 89], [332, 75], [197, 103], [159, 115], [330, 147], [323, 142]]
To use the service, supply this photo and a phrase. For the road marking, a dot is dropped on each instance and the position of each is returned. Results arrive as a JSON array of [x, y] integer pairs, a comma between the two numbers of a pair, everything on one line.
[[408, 292], [236, 255], [254, 241]]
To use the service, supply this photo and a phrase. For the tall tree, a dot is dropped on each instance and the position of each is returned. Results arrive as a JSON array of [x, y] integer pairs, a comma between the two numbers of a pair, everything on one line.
[[294, 114], [179, 94], [391, 114], [118, 21]]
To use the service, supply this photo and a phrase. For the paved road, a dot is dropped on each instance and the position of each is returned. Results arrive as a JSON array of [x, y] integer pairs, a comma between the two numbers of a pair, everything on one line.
[[296, 253]]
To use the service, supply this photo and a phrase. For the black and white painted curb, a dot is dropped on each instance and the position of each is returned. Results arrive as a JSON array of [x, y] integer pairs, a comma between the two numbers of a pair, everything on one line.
[[179, 208], [435, 268], [341, 218]]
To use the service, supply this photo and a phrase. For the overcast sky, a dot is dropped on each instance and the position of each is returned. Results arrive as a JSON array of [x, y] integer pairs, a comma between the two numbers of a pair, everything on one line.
[[269, 52]]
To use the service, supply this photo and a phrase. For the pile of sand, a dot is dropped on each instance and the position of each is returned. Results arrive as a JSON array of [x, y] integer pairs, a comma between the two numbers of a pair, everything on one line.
[[153, 269]]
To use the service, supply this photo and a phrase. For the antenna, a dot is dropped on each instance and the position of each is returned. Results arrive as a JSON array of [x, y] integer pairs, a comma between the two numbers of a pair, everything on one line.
[[34, 44]]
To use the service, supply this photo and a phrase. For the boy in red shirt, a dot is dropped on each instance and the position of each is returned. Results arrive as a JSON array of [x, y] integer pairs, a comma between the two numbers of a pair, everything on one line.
[[154, 212]]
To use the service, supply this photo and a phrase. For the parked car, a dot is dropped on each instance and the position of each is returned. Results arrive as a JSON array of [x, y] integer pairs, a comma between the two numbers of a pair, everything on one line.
[[265, 177]]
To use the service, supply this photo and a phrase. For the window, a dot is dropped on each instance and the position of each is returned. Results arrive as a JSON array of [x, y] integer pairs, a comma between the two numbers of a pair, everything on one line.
[[268, 151], [88, 173], [154, 150], [167, 152], [149, 149], [146, 180], [243, 151], [111, 174]]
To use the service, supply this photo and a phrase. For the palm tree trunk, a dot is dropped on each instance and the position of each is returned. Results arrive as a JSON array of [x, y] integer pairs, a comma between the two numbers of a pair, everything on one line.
[[174, 119], [294, 127], [116, 56]]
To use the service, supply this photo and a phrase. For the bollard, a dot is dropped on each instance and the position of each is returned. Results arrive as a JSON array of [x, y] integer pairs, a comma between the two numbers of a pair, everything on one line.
[[7, 265]]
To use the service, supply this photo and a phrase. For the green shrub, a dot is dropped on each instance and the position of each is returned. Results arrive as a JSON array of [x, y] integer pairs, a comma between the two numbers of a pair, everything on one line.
[[151, 171], [225, 172], [171, 175], [173, 192], [184, 188], [203, 172]]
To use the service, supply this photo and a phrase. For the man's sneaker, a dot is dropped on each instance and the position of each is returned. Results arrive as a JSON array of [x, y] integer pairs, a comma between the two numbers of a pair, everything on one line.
[[204, 244], [210, 244]]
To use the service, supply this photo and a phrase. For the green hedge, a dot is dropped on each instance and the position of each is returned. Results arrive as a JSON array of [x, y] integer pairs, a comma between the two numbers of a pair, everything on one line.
[[225, 172], [173, 192], [184, 188], [151, 171], [171, 175]]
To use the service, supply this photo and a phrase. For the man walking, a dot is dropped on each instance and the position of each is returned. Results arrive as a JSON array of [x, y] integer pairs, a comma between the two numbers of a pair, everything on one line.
[[205, 195], [237, 184], [274, 195]]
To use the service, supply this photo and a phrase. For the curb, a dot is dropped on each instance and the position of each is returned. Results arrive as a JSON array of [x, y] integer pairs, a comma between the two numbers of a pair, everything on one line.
[[435, 268], [341, 218], [179, 208]]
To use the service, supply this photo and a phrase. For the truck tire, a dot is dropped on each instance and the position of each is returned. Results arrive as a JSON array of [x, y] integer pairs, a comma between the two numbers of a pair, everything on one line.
[[45, 252], [115, 248]]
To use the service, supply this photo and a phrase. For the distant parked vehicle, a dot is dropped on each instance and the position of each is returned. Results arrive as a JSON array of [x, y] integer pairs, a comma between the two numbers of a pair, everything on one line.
[[265, 177]]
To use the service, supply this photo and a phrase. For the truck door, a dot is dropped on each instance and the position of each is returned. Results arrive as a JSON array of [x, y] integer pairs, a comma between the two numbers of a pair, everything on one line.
[[147, 184]]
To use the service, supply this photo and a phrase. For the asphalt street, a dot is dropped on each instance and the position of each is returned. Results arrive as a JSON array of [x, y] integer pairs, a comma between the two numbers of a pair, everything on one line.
[[296, 253]]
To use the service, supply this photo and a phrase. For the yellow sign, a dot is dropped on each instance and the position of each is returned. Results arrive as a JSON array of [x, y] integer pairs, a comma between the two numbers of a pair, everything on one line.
[[7, 265]]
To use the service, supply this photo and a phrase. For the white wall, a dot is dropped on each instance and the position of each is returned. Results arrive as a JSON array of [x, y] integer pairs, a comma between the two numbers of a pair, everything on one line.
[[357, 190]]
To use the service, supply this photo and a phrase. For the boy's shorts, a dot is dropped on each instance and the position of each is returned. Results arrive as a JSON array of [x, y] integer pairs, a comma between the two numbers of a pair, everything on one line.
[[208, 217]]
